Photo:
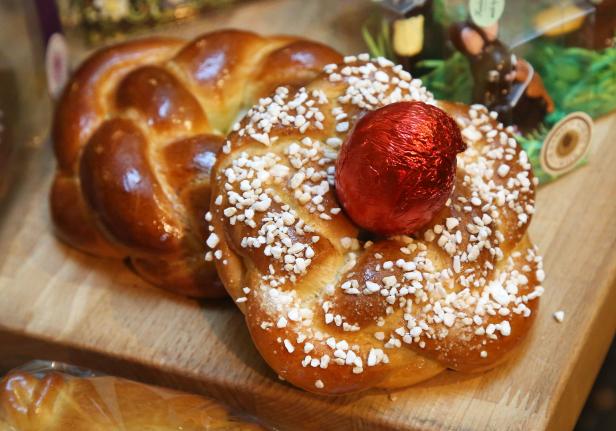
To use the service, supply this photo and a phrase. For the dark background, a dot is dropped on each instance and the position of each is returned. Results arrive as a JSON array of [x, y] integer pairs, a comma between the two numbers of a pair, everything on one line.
[[599, 413]]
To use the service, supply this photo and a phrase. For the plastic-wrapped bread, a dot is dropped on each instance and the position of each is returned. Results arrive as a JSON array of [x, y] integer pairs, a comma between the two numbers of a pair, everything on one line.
[[58, 402]]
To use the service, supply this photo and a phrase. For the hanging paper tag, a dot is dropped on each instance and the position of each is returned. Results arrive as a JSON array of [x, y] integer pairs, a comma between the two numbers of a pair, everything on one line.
[[486, 12]]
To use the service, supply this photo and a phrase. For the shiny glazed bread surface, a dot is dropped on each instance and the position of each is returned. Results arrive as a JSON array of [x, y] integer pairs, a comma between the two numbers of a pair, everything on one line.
[[135, 136]]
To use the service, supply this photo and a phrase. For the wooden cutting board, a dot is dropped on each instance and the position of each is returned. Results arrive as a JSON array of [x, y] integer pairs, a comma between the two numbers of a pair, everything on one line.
[[56, 303]]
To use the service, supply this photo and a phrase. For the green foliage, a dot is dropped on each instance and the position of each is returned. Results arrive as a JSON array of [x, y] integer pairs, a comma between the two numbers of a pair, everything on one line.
[[448, 14], [449, 79], [577, 79], [379, 45]]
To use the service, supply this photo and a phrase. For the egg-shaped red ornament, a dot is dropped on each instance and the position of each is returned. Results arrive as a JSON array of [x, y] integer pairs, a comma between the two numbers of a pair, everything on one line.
[[397, 167]]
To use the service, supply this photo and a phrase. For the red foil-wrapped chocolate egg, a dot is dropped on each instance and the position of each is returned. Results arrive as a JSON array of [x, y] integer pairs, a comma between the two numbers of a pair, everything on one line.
[[397, 167]]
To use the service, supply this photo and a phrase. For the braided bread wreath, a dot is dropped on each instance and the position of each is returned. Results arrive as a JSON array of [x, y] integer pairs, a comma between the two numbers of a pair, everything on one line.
[[135, 135], [333, 314]]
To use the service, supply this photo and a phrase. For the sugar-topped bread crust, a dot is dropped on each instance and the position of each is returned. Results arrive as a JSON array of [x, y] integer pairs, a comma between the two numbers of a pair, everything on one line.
[[331, 313]]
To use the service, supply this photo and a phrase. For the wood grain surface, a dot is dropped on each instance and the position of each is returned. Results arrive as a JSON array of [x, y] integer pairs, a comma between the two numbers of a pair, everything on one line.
[[56, 303]]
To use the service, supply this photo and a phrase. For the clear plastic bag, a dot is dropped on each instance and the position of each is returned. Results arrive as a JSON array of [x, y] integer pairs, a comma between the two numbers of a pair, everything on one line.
[[53, 396]]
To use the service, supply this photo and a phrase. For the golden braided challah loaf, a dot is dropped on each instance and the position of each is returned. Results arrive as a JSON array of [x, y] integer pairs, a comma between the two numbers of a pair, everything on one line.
[[333, 312], [136, 133]]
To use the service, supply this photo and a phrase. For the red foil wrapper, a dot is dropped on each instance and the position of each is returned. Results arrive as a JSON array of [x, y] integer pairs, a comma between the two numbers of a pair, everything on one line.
[[397, 167]]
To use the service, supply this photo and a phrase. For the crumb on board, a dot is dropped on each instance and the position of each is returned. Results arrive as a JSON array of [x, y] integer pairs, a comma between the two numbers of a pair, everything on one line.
[[559, 316]]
